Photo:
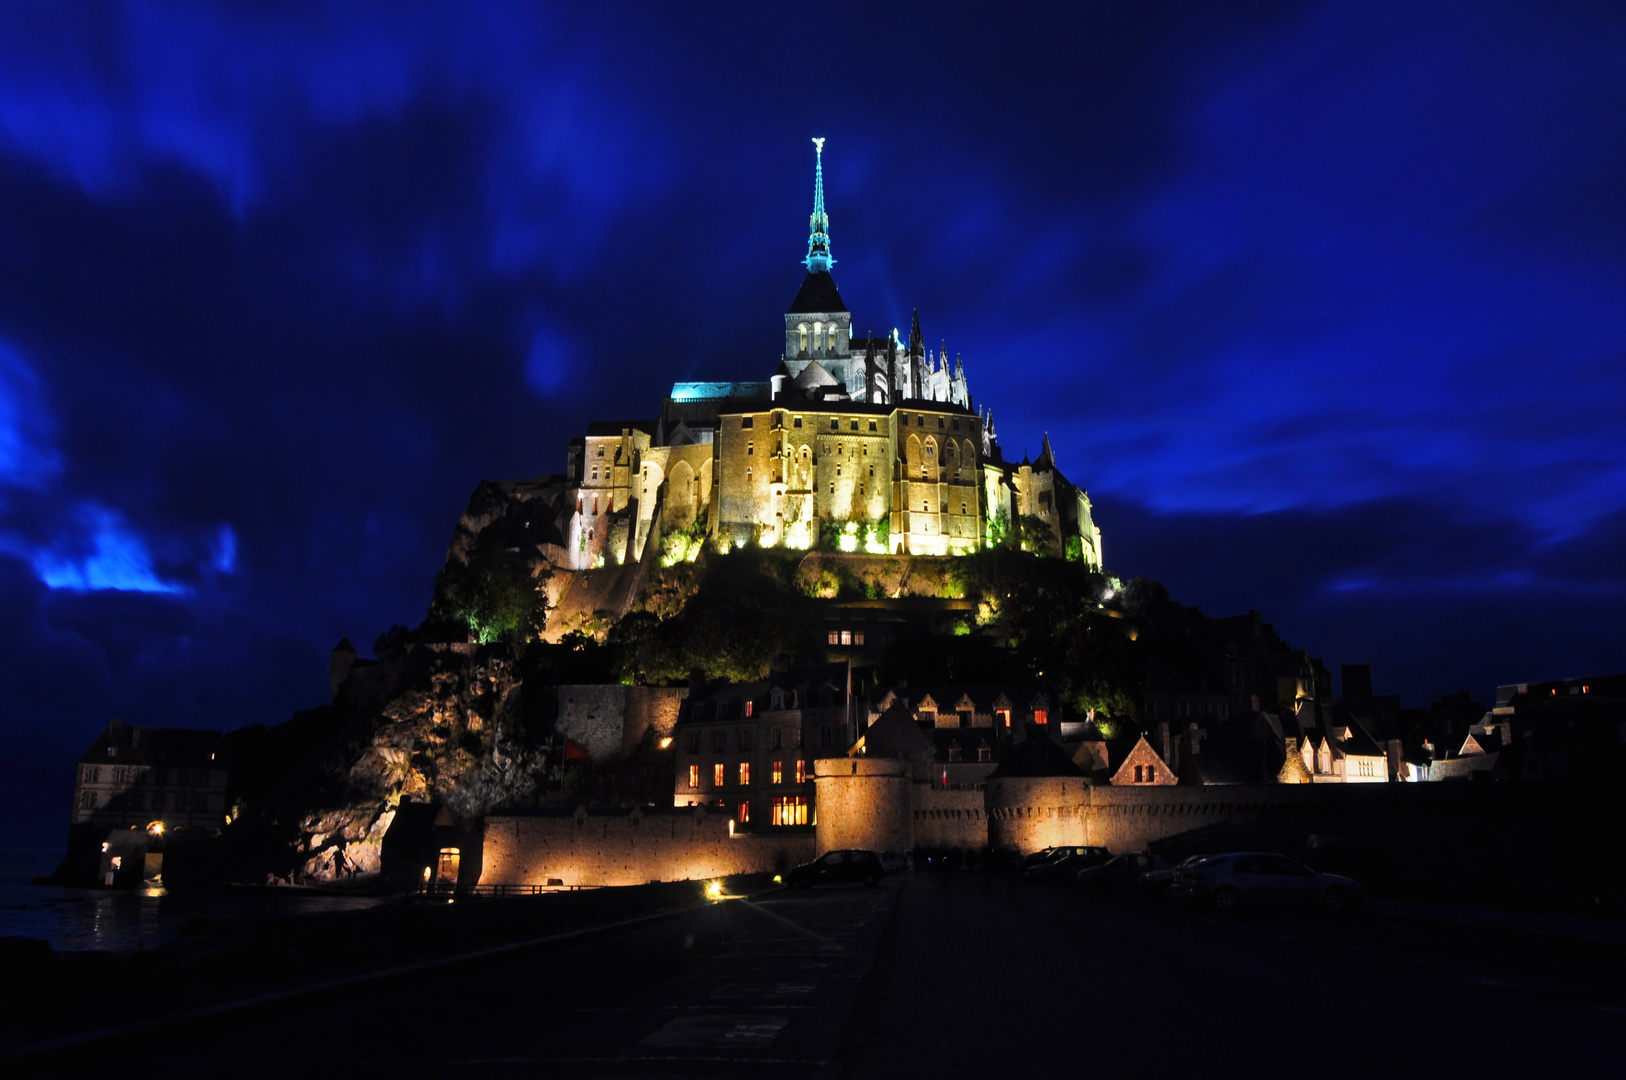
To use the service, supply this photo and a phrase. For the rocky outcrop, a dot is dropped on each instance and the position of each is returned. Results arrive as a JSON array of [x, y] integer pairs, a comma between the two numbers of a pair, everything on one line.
[[454, 734]]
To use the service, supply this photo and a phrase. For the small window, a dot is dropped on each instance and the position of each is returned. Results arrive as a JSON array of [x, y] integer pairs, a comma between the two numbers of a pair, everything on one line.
[[939, 423], [692, 743], [984, 754], [835, 425], [747, 476], [955, 425], [954, 753], [872, 425], [718, 774], [601, 449], [835, 637], [745, 809], [846, 637], [1151, 774], [931, 449], [1138, 777], [801, 771], [858, 637], [832, 487], [745, 773], [750, 449], [1041, 716], [694, 777], [777, 775], [719, 740], [745, 422], [749, 707], [920, 421], [854, 426], [797, 423]]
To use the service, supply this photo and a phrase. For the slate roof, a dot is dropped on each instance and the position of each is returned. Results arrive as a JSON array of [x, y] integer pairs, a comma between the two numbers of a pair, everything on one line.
[[183, 748], [817, 296], [1036, 756], [615, 427]]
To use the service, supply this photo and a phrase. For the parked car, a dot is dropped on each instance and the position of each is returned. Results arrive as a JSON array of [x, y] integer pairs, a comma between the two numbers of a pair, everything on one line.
[[1258, 877], [848, 864], [1122, 872], [1051, 854], [1163, 876], [1066, 867]]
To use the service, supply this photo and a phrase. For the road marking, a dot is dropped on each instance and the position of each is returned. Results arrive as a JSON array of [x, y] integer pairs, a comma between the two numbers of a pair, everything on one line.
[[736, 1031]]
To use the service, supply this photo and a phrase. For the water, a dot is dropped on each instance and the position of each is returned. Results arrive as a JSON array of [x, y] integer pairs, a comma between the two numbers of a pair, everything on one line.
[[124, 921]]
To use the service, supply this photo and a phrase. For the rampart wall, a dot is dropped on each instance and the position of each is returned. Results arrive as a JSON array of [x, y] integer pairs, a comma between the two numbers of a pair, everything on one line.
[[628, 848], [610, 718], [946, 818], [650, 708], [1029, 813]]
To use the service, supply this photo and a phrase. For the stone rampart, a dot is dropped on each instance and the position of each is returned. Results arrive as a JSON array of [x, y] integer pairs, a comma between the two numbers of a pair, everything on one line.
[[622, 847], [949, 818], [1029, 813], [862, 802]]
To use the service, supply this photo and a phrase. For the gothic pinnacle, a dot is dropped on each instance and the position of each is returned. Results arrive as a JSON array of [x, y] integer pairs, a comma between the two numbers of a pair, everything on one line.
[[818, 258]]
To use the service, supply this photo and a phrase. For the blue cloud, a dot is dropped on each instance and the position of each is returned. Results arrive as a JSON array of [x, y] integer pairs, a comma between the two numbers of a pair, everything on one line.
[[105, 555]]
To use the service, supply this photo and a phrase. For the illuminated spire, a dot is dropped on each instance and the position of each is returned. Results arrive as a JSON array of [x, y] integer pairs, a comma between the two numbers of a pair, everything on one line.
[[818, 240]]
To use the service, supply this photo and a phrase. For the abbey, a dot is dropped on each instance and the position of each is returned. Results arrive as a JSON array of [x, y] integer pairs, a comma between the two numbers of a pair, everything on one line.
[[872, 443]]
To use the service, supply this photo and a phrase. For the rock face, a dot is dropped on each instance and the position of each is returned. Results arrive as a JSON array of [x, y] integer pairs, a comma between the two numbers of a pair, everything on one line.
[[453, 734]]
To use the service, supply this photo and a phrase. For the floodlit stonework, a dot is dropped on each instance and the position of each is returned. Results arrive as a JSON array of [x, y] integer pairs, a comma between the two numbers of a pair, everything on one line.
[[862, 443]]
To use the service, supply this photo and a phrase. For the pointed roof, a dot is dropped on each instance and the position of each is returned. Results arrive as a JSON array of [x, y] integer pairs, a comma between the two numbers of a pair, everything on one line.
[[818, 239], [817, 296], [1036, 756], [1047, 457], [815, 374], [917, 344], [344, 646]]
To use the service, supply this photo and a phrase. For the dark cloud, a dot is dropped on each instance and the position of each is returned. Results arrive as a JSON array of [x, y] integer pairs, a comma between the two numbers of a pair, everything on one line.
[[1320, 300]]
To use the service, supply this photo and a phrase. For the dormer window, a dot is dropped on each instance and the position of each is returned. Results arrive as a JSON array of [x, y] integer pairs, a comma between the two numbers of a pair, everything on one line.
[[954, 753]]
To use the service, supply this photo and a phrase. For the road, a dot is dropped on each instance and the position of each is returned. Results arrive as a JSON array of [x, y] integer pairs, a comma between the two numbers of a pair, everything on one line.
[[949, 975]]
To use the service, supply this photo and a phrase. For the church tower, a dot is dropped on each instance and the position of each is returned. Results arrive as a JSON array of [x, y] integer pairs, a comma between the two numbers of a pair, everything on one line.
[[818, 326]]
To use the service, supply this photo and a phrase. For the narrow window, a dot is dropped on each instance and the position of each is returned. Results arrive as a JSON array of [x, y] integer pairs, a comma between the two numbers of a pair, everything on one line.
[[854, 426], [776, 740], [858, 637], [846, 637], [749, 705], [801, 771], [835, 425], [750, 449], [872, 425], [1151, 774], [798, 422], [717, 775], [835, 638], [745, 773], [1138, 777], [745, 812], [694, 777], [778, 774]]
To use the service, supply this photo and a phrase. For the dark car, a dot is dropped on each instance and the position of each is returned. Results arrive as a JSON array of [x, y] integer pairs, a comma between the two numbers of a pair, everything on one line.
[[1052, 854], [836, 866], [1258, 877], [1122, 873], [1066, 866]]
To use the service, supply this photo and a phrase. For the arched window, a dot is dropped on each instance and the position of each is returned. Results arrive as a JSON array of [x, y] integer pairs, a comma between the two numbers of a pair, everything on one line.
[[802, 329]]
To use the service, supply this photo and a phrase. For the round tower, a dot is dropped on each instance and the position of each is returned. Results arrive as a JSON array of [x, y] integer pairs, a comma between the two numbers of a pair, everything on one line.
[[863, 802]]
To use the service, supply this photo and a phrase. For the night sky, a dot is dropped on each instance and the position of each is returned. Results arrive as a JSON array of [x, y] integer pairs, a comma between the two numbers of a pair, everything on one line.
[[1324, 303]]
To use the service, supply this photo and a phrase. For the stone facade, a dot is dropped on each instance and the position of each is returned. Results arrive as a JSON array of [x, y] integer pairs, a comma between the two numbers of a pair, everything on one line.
[[629, 847]]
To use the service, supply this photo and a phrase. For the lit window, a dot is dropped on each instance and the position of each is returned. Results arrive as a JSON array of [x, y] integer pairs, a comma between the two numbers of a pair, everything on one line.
[[745, 812], [790, 810], [846, 637], [749, 708], [835, 638], [717, 775], [694, 776], [778, 774], [801, 771], [1041, 716], [745, 773], [858, 637]]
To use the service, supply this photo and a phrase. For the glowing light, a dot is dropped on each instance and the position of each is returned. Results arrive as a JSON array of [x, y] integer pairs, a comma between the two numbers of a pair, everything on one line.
[[666, 742], [714, 890], [779, 879], [155, 828]]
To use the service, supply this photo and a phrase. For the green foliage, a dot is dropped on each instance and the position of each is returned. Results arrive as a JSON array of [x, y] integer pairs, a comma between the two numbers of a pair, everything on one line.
[[1073, 550], [1036, 536], [743, 610], [999, 529], [493, 594]]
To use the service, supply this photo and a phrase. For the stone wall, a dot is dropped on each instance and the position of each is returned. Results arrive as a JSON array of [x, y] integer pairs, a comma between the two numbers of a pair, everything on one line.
[[593, 717], [650, 708], [949, 819], [862, 803], [1029, 813], [629, 847]]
